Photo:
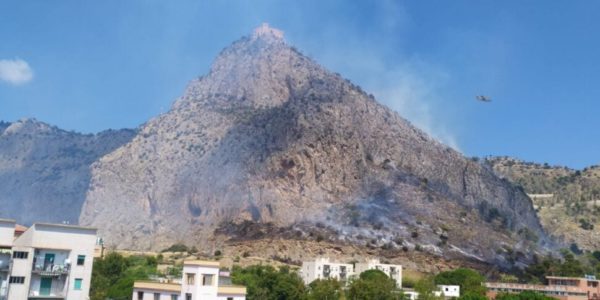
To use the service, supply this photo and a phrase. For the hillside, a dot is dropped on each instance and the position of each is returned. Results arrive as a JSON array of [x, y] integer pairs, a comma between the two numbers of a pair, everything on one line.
[[572, 211], [271, 143], [44, 171]]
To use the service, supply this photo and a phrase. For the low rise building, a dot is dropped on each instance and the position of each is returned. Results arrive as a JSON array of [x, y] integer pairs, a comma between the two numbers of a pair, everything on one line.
[[393, 271], [201, 280], [46, 261], [323, 268], [446, 291], [559, 292]]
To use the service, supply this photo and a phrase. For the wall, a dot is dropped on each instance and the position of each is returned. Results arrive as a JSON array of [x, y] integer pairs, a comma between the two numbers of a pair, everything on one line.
[[21, 267], [313, 270], [149, 294], [198, 291], [7, 232]]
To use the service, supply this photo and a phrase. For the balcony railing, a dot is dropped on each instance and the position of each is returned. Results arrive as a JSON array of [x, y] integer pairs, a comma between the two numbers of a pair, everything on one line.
[[53, 292], [48, 268]]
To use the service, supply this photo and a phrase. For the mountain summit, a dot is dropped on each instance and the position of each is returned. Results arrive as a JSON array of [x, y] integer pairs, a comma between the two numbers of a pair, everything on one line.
[[269, 137]]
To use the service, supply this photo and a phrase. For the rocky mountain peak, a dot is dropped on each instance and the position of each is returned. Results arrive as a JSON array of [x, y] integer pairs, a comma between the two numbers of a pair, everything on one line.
[[259, 70], [266, 32]]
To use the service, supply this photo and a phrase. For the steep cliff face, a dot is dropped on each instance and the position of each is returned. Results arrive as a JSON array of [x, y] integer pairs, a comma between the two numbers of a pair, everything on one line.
[[44, 171], [270, 136]]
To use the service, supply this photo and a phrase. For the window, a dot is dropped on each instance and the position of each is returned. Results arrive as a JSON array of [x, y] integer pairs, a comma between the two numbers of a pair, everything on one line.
[[188, 296], [229, 298], [80, 260], [20, 254], [156, 296], [174, 297], [207, 279], [77, 285], [190, 278], [140, 295], [16, 279]]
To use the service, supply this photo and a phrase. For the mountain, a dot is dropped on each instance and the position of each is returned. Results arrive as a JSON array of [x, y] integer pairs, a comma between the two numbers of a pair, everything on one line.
[[567, 200], [271, 142], [44, 171]]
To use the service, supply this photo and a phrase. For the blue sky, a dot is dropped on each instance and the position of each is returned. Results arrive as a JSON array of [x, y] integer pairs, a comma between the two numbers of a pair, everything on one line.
[[93, 65]]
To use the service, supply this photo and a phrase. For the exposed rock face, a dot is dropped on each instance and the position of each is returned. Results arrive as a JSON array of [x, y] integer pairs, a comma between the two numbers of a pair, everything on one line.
[[44, 171], [271, 137]]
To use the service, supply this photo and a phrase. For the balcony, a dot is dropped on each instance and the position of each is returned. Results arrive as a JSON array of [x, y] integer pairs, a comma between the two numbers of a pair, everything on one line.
[[54, 292], [45, 267]]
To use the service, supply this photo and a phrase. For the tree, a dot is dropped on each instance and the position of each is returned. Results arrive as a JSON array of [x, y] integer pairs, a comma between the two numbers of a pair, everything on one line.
[[328, 289], [113, 275], [426, 288], [472, 296], [372, 284], [469, 280], [265, 282]]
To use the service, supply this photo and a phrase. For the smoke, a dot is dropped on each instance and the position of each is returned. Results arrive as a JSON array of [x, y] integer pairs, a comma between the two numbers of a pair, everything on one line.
[[378, 57]]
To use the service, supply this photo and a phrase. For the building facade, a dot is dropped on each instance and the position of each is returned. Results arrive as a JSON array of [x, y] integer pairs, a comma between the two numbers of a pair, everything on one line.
[[393, 271], [323, 268], [554, 291], [201, 280], [46, 261], [588, 284]]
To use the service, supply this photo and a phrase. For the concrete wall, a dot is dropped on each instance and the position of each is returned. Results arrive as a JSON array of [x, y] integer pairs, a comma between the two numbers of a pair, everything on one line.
[[149, 295], [7, 232], [313, 270], [21, 268], [197, 290]]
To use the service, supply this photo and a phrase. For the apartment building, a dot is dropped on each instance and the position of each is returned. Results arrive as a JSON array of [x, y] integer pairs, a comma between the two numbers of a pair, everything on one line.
[[323, 268], [46, 261], [588, 284], [201, 280], [393, 271]]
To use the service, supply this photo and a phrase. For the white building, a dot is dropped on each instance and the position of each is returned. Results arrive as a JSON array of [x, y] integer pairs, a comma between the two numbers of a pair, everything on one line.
[[393, 271], [201, 280], [46, 261], [447, 291], [322, 268]]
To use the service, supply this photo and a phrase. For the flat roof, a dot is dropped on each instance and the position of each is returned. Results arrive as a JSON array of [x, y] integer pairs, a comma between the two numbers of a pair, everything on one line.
[[570, 278], [232, 290], [8, 221], [65, 226], [203, 263], [157, 286]]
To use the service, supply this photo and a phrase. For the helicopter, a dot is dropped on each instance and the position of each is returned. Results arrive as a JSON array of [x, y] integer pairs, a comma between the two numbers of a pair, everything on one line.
[[483, 98]]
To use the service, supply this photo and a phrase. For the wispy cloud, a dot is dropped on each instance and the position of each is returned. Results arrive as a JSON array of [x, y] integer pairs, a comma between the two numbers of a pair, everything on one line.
[[15, 71]]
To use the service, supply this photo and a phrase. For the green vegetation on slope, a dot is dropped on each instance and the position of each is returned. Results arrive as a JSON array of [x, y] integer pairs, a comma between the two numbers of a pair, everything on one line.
[[113, 275], [572, 212]]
